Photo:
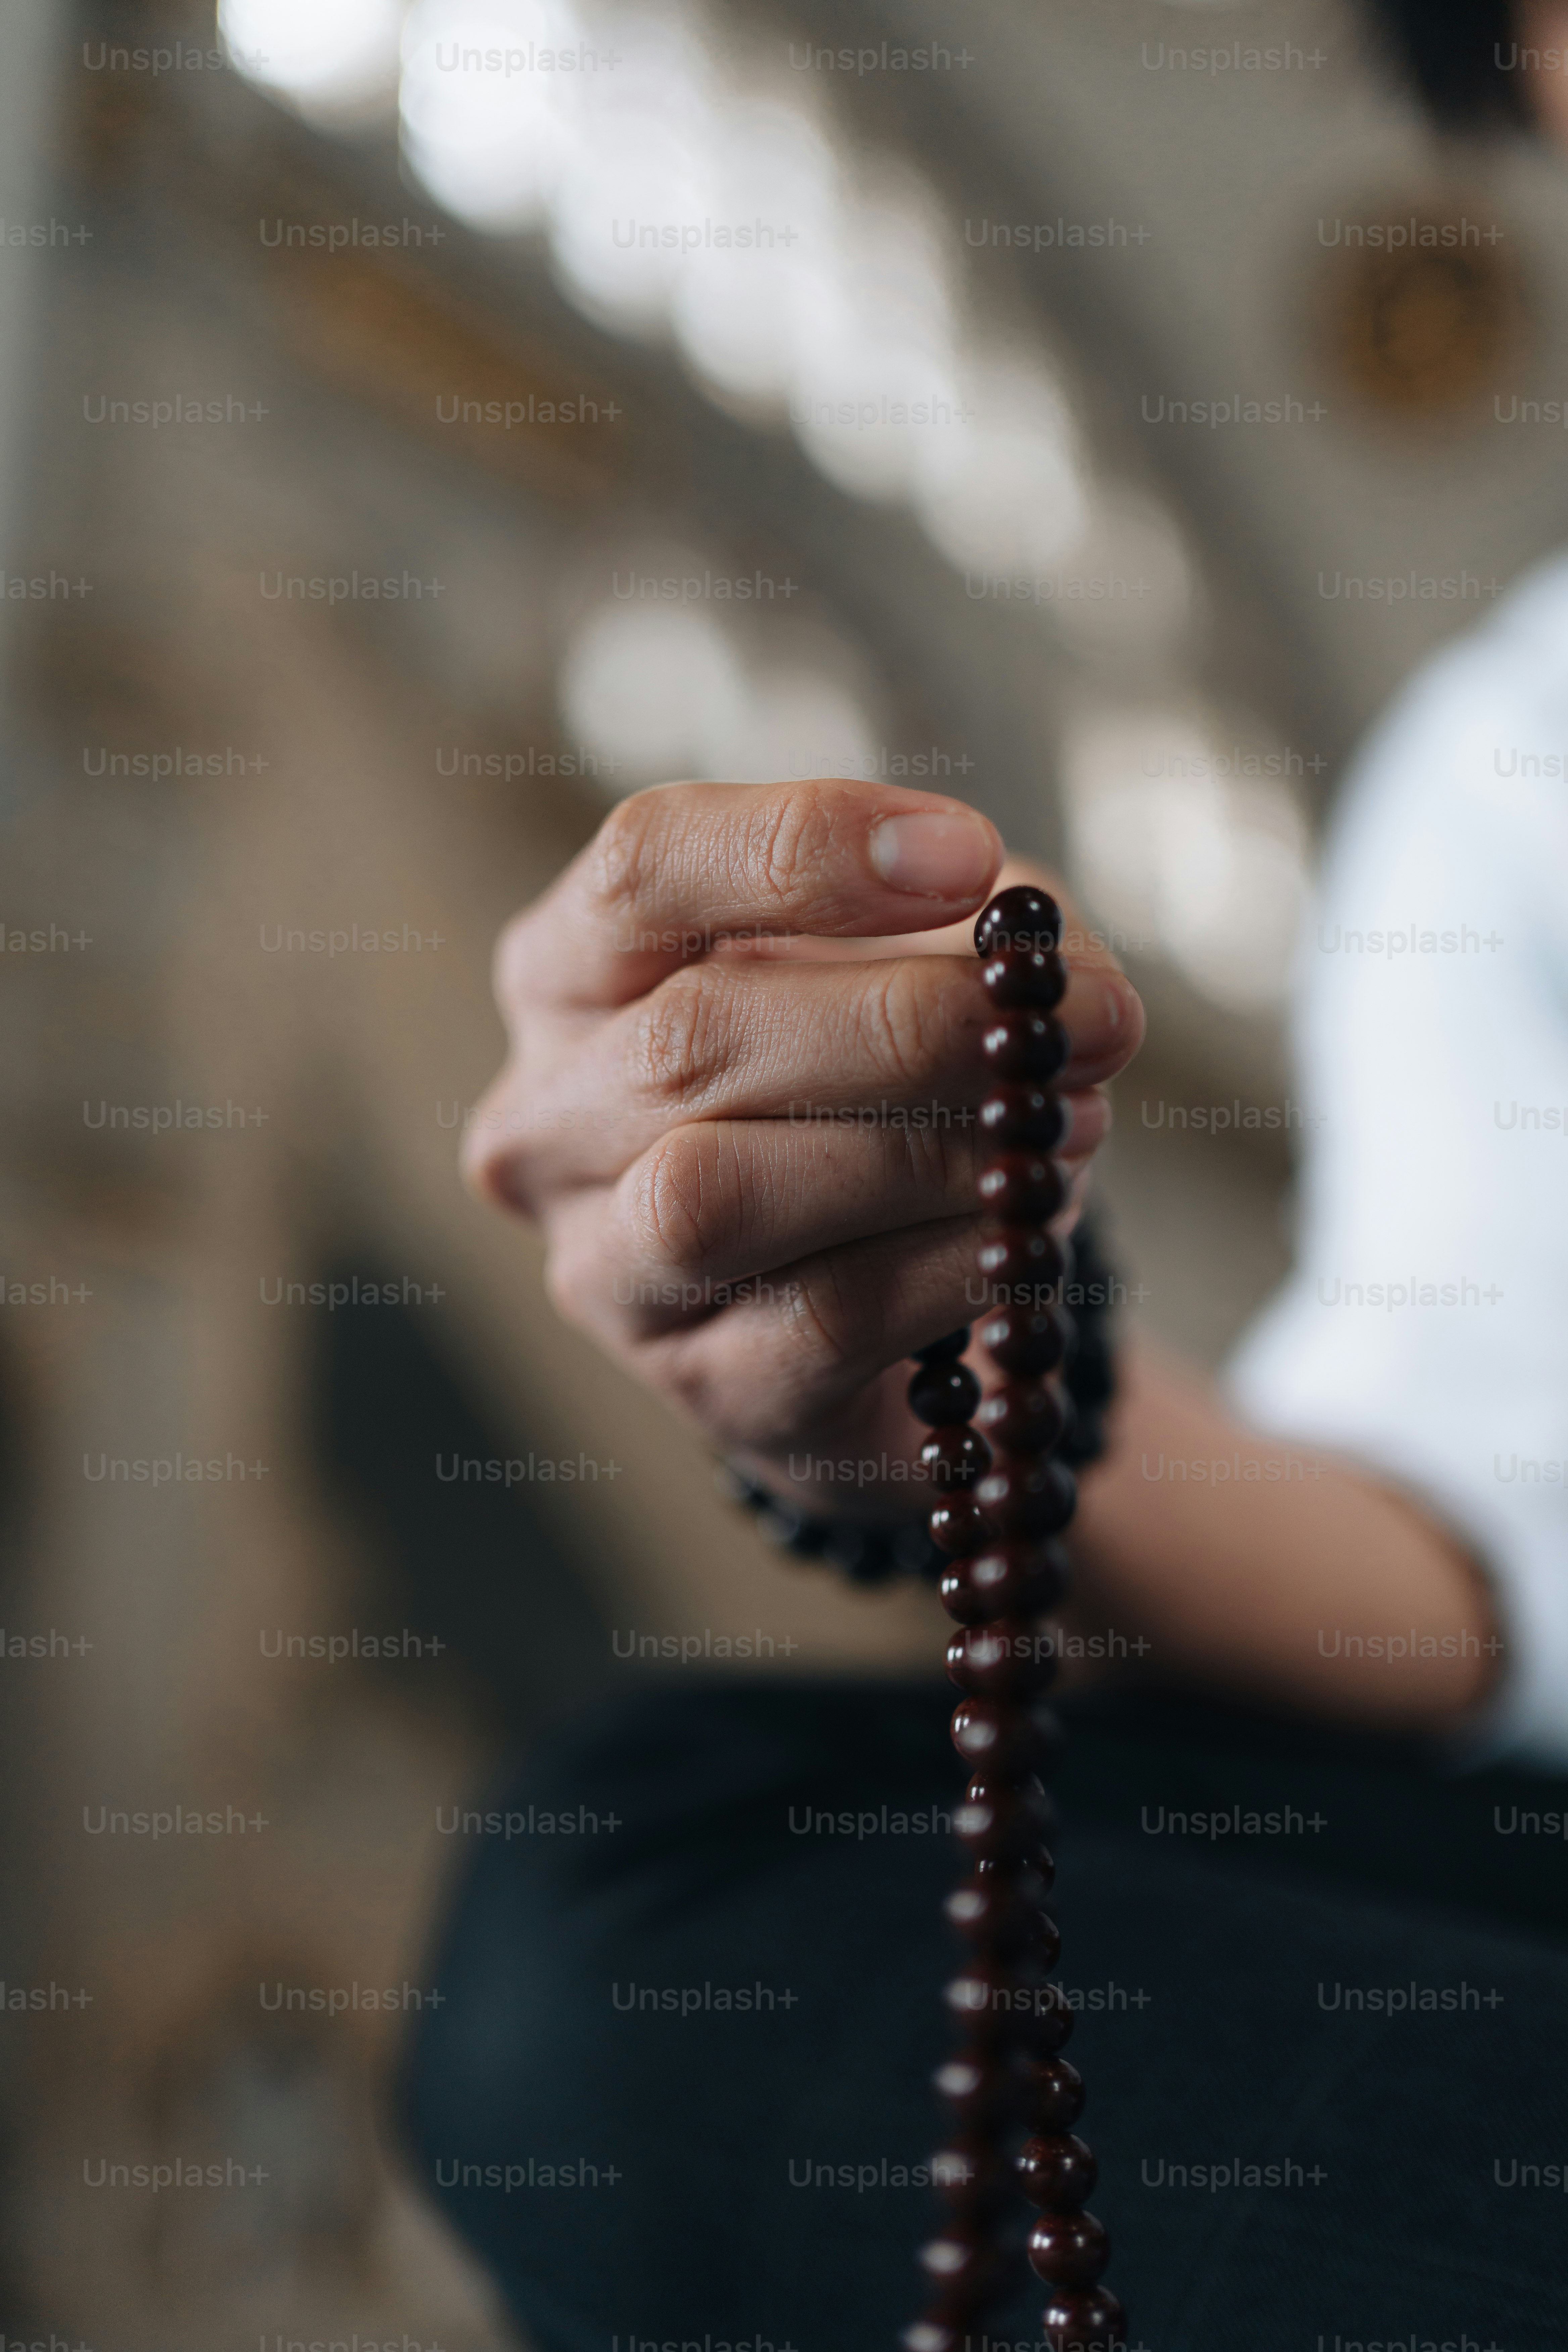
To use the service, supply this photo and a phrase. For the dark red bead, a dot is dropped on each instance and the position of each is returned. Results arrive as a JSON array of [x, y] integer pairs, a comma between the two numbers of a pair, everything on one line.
[[935, 2336], [1010, 2007], [1029, 1938], [1023, 1187], [1022, 915], [1001, 1915], [964, 2265], [1001, 1591], [1031, 1875], [1042, 1942], [1028, 1499], [943, 1352], [959, 1598], [1026, 1046], [1024, 1267], [1005, 1578], [1023, 1417], [980, 2086], [990, 1997], [956, 1458], [1019, 1111], [1035, 977], [1084, 2319], [1000, 1821], [1058, 2170], [990, 1519], [958, 1526], [996, 1735], [1005, 1659], [973, 2175], [1068, 2249], [943, 1394], [1051, 2096], [1027, 1340]]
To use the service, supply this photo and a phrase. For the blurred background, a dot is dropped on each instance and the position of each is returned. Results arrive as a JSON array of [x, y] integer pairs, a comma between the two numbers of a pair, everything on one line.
[[420, 425]]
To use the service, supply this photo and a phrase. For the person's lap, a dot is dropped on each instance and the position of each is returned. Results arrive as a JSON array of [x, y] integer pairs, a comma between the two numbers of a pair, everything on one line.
[[1279, 2162]]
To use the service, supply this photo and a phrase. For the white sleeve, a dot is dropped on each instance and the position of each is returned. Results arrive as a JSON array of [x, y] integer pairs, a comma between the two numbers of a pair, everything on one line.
[[1425, 1331]]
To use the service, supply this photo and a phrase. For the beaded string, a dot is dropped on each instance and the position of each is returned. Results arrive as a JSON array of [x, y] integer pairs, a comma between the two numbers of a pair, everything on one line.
[[1002, 1499]]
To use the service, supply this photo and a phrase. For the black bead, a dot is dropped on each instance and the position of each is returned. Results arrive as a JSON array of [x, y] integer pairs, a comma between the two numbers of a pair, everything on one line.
[[941, 1394], [941, 1351], [1018, 917]]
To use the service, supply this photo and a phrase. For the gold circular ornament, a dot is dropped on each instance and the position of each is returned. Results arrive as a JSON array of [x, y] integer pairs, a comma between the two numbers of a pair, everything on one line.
[[1421, 307]]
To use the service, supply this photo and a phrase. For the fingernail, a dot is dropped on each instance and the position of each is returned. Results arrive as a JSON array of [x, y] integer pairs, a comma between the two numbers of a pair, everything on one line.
[[950, 856]]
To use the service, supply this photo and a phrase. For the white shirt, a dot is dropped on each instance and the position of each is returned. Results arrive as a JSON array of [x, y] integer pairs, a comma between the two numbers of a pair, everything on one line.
[[1425, 1331]]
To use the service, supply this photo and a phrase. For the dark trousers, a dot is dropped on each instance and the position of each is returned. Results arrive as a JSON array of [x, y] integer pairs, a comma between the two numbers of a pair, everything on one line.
[[678, 2092]]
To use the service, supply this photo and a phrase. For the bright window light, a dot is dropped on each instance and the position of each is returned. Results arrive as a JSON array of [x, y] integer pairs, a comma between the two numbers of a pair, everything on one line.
[[1179, 853], [741, 312], [799, 722], [1001, 488], [660, 691], [323, 56], [487, 124], [666, 688]]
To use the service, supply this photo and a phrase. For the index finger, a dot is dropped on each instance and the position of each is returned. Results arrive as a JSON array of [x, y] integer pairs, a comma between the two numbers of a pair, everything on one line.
[[685, 869]]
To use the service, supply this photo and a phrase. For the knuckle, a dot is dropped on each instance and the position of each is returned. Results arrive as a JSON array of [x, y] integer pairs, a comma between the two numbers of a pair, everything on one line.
[[899, 1024], [795, 840], [673, 1036], [822, 1327], [672, 1198], [778, 847], [623, 854]]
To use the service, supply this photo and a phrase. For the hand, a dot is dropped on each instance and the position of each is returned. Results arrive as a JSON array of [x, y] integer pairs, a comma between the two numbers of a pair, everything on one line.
[[740, 1098]]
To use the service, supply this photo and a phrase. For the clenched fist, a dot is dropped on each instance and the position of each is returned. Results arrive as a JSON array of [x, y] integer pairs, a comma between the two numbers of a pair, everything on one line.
[[740, 1098]]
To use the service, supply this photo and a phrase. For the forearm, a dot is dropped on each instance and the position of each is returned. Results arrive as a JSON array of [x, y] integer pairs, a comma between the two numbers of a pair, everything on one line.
[[1245, 1561]]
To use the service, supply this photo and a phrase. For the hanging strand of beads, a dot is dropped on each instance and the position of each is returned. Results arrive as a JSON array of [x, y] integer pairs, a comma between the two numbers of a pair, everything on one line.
[[1003, 1501]]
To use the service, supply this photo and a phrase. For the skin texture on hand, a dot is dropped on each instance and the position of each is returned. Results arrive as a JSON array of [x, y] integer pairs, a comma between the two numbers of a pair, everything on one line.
[[739, 1097], [743, 1037]]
